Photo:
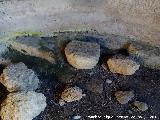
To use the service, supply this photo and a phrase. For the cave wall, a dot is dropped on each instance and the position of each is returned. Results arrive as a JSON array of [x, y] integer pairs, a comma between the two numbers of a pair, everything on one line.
[[139, 19]]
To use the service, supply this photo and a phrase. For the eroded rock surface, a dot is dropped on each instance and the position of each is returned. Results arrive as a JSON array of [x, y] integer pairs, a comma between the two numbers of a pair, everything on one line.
[[72, 94], [17, 77], [22, 106], [122, 65], [34, 46], [148, 55], [82, 55]]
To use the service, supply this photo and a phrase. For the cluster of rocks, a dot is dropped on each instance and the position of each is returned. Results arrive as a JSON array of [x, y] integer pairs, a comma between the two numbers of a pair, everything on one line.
[[85, 55], [26, 104], [22, 102], [123, 97]]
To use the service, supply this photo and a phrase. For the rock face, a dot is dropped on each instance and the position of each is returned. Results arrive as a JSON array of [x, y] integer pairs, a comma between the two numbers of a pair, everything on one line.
[[22, 106], [17, 77], [124, 97], [72, 94], [34, 46], [122, 65], [141, 105], [82, 55]]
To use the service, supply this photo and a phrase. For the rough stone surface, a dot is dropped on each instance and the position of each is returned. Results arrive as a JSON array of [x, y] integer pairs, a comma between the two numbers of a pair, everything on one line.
[[140, 19], [140, 105], [124, 97], [17, 77], [148, 55], [22, 106], [82, 55], [122, 65], [34, 46], [72, 94]]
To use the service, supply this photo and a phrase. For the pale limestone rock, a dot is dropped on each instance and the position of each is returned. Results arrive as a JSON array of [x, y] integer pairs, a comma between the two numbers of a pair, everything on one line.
[[122, 65], [17, 77], [124, 97], [72, 94], [22, 106], [140, 105], [82, 55]]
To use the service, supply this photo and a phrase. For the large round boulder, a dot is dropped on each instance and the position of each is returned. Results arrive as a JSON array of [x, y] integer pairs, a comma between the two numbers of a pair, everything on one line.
[[17, 77], [22, 106], [82, 55]]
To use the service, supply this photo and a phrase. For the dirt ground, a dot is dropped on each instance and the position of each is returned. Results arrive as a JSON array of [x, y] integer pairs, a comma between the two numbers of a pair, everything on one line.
[[54, 78]]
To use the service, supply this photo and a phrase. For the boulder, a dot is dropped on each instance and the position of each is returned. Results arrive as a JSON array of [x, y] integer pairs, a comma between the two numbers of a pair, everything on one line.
[[82, 55], [122, 65], [124, 97], [35, 46], [17, 77], [22, 106]]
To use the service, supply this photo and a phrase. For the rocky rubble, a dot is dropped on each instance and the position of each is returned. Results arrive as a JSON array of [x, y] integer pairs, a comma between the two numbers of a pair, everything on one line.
[[17, 77], [122, 65], [22, 106], [82, 55]]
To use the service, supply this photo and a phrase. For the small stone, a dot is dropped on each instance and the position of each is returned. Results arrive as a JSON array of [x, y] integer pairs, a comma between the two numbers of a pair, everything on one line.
[[61, 102], [77, 117], [108, 81], [22, 106], [122, 65], [72, 94], [95, 85], [17, 77], [124, 97], [141, 105], [82, 55]]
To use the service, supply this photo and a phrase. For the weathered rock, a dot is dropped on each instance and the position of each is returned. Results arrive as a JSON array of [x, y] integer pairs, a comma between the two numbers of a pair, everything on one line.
[[124, 97], [122, 65], [141, 105], [95, 85], [149, 56], [82, 55], [72, 94], [22, 106], [17, 77], [3, 49], [34, 46]]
